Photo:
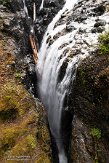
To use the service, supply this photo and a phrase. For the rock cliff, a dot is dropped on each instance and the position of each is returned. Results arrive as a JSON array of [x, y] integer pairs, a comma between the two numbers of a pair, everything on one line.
[[22, 118]]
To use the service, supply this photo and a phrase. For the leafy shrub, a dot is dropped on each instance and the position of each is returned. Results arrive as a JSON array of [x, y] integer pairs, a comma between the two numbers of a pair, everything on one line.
[[104, 43], [96, 133], [5, 3]]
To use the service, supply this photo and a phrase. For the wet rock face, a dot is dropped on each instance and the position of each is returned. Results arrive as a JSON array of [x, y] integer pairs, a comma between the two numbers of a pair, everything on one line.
[[91, 103], [15, 24], [82, 144], [90, 98], [18, 26], [45, 15], [22, 118], [99, 10]]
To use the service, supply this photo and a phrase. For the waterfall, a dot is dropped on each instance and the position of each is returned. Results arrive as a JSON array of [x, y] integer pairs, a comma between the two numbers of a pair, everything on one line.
[[42, 4], [54, 53], [53, 93], [52, 57], [25, 8]]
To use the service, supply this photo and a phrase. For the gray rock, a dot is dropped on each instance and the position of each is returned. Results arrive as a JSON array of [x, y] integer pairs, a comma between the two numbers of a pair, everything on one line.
[[100, 9], [82, 30], [93, 30], [70, 28], [6, 23], [81, 18], [100, 29], [100, 23]]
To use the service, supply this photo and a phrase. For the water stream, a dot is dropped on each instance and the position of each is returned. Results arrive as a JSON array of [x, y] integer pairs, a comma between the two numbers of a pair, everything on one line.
[[53, 93], [51, 58], [53, 54], [25, 8], [42, 4]]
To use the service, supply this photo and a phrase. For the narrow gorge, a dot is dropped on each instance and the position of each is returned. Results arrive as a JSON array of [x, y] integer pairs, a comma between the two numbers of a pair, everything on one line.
[[70, 78]]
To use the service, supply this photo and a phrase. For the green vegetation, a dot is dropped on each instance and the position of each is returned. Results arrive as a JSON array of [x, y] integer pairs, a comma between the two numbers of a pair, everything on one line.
[[5, 2], [20, 124], [96, 133], [104, 43], [18, 75], [82, 77], [15, 98], [21, 120], [31, 141], [43, 159]]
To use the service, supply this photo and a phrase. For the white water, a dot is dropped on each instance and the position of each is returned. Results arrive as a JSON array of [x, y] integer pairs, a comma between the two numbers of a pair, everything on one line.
[[42, 5], [51, 92], [51, 58], [25, 8]]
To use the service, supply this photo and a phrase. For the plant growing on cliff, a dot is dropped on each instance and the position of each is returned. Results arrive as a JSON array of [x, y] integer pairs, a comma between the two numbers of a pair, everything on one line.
[[5, 3], [104, 43], [96, 134]]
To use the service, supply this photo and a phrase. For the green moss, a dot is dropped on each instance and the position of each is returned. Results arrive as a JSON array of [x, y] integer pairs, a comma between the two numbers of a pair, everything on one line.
[[8, 138], [14, 96], [19, 136], [20, 118], [43, 159], [7, 97], [26, 145], [31, 141], [18, 75], [104, 43], [81, 74], [96, 133]]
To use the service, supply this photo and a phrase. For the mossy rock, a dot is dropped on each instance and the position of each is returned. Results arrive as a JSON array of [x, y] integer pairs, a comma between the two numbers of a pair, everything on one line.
[[15, 97], [90, 101], [21, 124], [21, 116], [43, 159]]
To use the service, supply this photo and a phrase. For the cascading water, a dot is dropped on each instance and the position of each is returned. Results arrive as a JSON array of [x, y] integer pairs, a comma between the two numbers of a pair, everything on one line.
[[42, 4], [51, 58], [25, 8], [53, 93], [54, 53]]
